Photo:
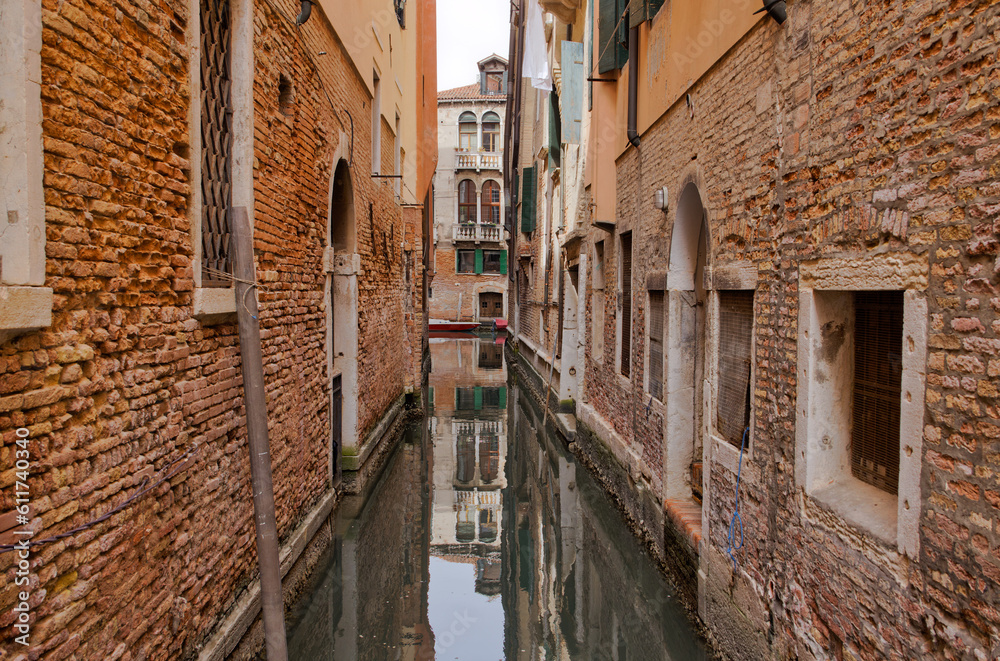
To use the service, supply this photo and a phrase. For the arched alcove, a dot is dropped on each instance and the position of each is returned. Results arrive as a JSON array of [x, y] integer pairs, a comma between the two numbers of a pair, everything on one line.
[[685, 348], [342, 225]]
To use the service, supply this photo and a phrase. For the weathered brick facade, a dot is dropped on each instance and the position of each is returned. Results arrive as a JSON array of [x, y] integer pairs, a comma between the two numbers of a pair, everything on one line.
[[127, 379], [853, 141]]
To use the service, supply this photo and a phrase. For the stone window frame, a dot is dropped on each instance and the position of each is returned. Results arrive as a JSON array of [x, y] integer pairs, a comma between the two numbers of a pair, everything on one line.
[[25, 301], [218, 304], [656, 282], [597, 284], [727, 277], [826, 479], [625, 381]]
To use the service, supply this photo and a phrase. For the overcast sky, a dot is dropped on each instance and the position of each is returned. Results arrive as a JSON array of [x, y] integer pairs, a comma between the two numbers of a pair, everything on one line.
[[468, 31]]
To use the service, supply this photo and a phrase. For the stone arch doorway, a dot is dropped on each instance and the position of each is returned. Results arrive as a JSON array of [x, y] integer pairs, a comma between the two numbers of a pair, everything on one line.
[[683, 436], [342, 264]]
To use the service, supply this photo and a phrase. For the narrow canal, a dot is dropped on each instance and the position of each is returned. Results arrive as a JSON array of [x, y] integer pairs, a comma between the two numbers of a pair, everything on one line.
[[484, 540]]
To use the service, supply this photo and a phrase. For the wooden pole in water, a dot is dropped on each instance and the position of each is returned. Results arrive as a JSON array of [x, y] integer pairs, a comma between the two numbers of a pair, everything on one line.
[[255, 402]]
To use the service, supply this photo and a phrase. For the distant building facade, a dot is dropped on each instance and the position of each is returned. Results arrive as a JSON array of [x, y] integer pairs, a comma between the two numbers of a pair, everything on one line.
[[470, 256]]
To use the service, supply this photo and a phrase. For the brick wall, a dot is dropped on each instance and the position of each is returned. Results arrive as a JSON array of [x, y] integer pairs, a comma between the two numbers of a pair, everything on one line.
[[126, 379], [852, 129]]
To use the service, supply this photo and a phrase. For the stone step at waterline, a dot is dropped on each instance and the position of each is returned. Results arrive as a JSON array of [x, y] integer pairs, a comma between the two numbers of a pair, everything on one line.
[[686, 517]]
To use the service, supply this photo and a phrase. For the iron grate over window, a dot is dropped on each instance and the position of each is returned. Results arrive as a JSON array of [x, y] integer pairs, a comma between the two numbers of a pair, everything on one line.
[[735, 353], [656, 344], [216, 140], [878, 370], [626, 304]]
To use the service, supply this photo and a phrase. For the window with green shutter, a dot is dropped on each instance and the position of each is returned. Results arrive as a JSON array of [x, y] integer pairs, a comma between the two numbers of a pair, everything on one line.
[[528, 200], [613, 36], [479, 260], [555, 129], [503, 262], [643, 10]]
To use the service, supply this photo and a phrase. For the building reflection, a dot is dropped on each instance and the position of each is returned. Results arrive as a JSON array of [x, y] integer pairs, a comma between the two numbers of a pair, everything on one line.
[[577, 585], [483, 539], [468, 426]]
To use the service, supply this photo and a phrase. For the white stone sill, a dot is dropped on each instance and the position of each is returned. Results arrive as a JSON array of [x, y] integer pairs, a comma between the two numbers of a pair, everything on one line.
[[214, 305], [862, 506], [727, 455], [24, 309]]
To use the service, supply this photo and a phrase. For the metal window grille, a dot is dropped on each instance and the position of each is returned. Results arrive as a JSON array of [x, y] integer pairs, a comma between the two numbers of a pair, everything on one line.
[[656, 344], [465, 399], [878, 353], [626, 304], [216, 140], [491, 397], [735, 352]]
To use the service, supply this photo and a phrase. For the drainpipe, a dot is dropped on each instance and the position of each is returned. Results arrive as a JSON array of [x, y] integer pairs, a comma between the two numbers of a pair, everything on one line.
[[633, 84]]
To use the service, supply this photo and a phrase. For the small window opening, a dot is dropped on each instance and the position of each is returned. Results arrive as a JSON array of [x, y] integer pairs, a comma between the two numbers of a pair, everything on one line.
[[285, 95], [626, 305], [878, 370], [656, 344], [735, 350]]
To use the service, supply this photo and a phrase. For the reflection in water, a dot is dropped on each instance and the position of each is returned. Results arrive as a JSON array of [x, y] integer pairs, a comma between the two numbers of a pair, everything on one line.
[[484, 540]]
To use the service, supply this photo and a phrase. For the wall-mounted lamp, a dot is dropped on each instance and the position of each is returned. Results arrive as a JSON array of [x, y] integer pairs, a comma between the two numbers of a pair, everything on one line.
[[304, 13], [776, 9], [661, 200]]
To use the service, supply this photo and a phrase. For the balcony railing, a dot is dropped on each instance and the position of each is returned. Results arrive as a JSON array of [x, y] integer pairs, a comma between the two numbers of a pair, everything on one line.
[[467, 160], [477, 232]]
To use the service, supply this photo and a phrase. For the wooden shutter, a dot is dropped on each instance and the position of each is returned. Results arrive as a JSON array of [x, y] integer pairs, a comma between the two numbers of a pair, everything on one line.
[[528, 200], [216, 140], [735, 350], [572, 98], [626, 304], [503, 262], [878, 354], [643, 10], [479, 260], [611, 54], [555, 128]]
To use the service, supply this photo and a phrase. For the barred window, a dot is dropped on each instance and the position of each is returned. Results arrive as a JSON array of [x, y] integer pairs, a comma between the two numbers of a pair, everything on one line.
[[735, 354], [626, 304], [216, 141], [878, 369], [656, 344]]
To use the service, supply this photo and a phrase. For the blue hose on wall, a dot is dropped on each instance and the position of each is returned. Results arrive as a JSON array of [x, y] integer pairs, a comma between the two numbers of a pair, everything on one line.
[[736, 523]]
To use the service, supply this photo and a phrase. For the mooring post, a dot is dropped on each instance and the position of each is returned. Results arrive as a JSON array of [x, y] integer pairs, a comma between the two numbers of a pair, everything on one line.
[[255, 402]]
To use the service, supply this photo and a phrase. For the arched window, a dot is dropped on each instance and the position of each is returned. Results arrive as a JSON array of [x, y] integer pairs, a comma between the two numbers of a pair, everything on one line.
[[466, 201], [491, 202], [491, 132], [467, 130]]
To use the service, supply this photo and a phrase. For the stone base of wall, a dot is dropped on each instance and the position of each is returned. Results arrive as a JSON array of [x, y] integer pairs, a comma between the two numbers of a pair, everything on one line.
[[241, 634], [360, 470]]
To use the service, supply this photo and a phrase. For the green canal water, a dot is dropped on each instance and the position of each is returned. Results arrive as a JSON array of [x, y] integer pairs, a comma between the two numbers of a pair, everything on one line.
[[484, 540]]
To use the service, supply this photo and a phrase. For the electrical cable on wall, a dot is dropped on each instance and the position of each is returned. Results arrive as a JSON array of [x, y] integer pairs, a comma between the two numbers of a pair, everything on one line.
[[143, 490], [736, 523]]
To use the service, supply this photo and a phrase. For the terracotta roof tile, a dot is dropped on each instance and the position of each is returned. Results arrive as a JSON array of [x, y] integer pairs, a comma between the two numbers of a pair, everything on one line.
[[469, 92]]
